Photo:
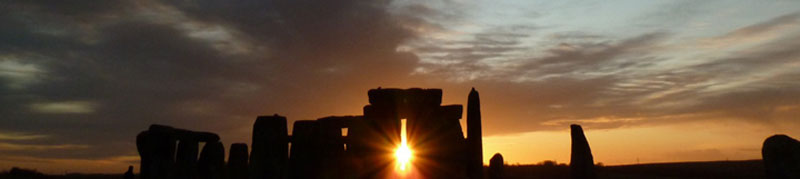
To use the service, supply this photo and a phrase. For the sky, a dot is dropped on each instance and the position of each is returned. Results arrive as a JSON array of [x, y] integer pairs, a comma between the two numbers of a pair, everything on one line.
[[650, 81]]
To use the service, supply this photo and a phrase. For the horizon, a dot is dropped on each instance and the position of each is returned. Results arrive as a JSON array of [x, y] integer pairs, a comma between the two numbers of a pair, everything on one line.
[[650, 82]]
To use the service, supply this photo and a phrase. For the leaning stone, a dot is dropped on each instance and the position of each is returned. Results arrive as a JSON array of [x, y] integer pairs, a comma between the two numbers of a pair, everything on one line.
[[581, 162]]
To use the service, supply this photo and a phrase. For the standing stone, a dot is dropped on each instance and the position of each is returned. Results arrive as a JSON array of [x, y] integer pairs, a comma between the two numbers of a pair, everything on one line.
[[269, 155], [474, 136], [145, 154], [186, 159], [157, 152], [781, 156], [581, 163], [211, 164], [156, 148], [384, 130], [165, 155], [304, 159], [439, 133], [496, 167], [358, 146], [330, 146], [237, 161]]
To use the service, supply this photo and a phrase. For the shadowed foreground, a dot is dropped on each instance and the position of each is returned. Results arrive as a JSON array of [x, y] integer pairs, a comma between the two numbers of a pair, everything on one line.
[[714, 169]]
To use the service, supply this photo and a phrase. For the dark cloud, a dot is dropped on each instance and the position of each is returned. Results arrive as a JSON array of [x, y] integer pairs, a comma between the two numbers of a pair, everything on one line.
[[311, 59], [76, 9]]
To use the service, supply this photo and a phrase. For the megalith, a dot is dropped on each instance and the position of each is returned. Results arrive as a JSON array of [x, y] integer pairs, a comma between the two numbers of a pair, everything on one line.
[[581, 163], [781, 156]]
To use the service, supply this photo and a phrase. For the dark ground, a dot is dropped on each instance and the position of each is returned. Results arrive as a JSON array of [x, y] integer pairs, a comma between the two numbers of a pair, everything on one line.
[[713, 169]]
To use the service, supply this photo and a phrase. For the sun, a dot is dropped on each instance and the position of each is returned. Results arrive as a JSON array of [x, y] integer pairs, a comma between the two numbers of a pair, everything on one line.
[[403, 154]]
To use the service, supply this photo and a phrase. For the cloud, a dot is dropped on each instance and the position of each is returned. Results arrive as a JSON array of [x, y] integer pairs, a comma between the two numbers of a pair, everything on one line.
[[27, 147], [18, 75], [755, 33], [17, 136], [611, 83], [76, 107]]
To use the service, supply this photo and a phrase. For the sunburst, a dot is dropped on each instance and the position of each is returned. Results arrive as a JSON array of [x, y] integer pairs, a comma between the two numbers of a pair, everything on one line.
[[403, 154]]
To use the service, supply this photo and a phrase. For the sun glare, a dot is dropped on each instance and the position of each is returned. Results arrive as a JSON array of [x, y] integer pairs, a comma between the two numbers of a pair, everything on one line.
[[403, 154]]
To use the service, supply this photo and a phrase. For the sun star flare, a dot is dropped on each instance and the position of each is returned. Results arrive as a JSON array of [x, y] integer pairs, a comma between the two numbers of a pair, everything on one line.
[[403, 154]]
